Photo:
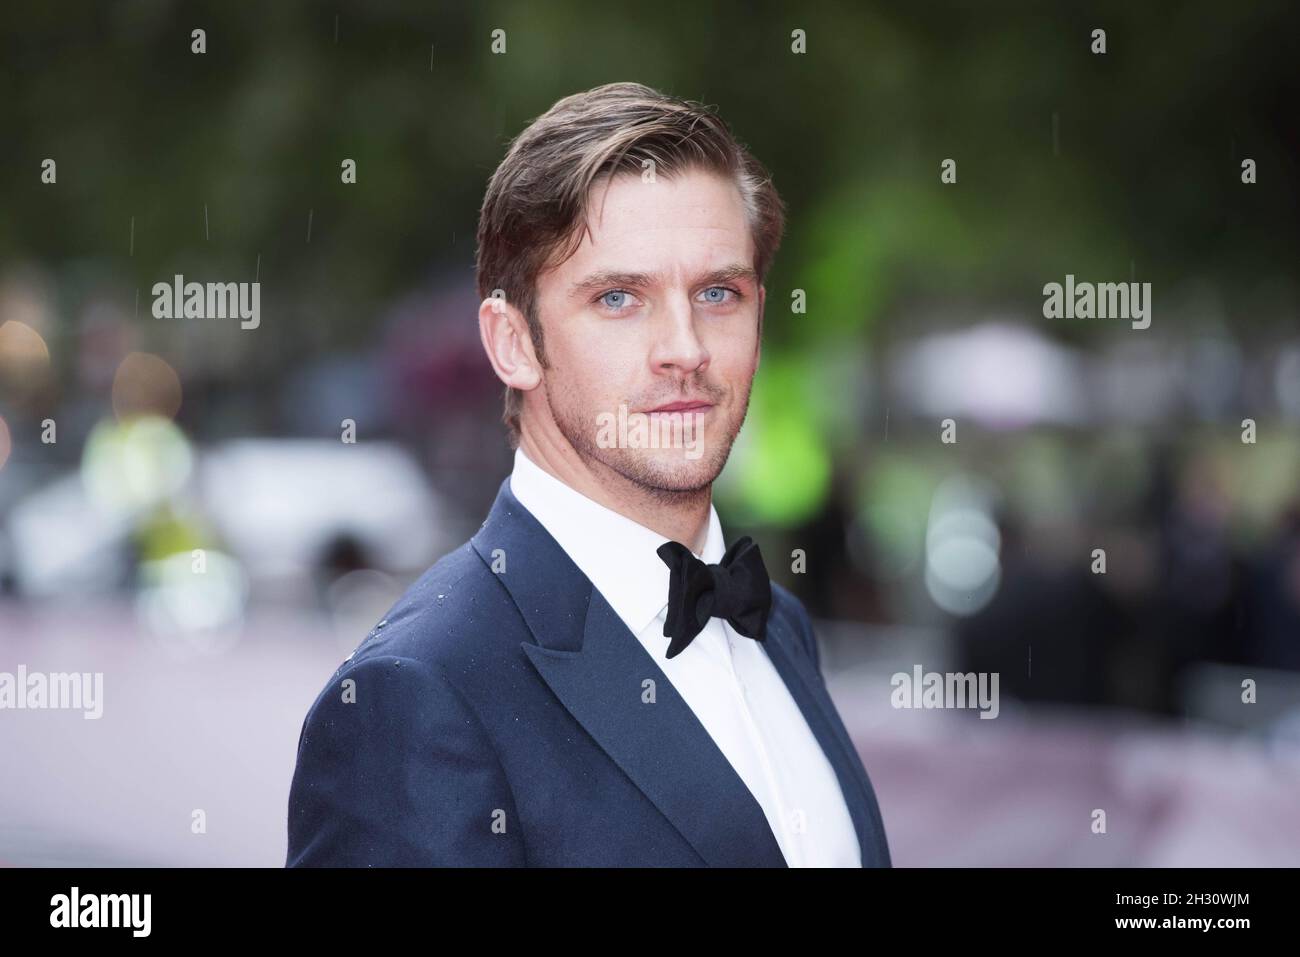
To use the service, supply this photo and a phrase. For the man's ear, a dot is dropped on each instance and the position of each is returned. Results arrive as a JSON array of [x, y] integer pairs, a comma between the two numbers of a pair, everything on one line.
[[758, 346], [504, 332]]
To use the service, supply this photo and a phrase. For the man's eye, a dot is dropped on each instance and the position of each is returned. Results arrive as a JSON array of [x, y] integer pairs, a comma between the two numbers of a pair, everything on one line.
[[615, 299], [717, 295]]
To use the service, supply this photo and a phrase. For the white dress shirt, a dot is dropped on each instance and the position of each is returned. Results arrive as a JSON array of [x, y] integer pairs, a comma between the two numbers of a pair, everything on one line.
[[725, 678]]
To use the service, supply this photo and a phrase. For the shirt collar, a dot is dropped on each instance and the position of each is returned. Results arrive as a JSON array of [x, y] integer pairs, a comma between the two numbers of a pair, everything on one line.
[[616, 554]]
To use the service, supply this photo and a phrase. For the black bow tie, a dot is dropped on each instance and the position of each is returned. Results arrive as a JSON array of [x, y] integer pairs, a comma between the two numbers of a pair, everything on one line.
[[737, 589]]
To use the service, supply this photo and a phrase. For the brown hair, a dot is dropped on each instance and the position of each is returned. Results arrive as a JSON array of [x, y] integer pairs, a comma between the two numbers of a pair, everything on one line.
[[534, 211]]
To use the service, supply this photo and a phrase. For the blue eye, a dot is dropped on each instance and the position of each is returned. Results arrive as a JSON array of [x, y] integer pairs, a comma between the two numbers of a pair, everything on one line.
[[716, 295], [618, 303]]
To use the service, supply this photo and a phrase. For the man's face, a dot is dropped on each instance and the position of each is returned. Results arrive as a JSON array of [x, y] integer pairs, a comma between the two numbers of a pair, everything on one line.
[[651, 330]]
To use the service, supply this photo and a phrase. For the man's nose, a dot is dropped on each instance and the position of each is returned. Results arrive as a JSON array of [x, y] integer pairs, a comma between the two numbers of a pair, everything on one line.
[[677, 341]]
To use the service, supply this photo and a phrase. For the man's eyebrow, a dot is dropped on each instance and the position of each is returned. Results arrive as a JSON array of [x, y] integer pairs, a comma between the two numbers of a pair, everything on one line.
[[614, 277]]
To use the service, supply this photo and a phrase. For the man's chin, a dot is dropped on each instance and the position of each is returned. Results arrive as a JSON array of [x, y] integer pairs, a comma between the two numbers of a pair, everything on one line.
[[667, 471]]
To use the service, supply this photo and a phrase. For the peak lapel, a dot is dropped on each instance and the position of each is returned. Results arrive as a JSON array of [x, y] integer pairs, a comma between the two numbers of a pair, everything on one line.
[[599, 671], [810, 695]]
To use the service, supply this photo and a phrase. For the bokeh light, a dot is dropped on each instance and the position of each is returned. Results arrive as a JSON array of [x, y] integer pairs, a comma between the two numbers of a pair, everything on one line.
[[146, 385], [132, 465]]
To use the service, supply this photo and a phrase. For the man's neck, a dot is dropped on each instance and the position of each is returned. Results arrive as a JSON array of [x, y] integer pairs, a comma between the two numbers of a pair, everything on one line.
[[683, 518]]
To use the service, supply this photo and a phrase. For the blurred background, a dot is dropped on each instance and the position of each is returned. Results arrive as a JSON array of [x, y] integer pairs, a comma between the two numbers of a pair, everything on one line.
[[132, 447]]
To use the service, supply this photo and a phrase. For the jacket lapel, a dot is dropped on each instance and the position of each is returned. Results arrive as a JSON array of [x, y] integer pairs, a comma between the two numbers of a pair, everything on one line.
[[811, 697], [603, 676]]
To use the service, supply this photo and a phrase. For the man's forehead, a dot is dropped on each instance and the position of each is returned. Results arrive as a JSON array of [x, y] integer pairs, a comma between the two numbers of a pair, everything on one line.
[[692, 224], [695, 198]]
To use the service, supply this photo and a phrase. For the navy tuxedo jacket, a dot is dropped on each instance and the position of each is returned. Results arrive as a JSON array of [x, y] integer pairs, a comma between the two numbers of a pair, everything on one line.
[[499, 718]]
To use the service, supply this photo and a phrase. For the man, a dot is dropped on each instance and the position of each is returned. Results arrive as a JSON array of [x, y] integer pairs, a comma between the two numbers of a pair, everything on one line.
[[595, 679]]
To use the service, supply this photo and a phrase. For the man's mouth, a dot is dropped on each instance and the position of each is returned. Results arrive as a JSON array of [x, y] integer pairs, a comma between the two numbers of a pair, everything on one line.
[[688, 405]]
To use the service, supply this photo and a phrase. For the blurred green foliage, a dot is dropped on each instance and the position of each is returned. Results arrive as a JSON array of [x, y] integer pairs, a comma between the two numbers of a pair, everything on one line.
[[1108, 166], [1150, 136]]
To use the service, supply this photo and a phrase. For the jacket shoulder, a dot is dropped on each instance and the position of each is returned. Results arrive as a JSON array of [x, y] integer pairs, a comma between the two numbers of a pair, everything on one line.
[[458, 611], [395, 765]]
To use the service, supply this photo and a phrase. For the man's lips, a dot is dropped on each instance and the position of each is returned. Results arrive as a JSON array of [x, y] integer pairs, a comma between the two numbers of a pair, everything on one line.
[[692, 405]]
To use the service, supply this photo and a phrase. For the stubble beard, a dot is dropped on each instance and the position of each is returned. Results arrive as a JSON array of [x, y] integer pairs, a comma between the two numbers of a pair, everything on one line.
[[665, 483]]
